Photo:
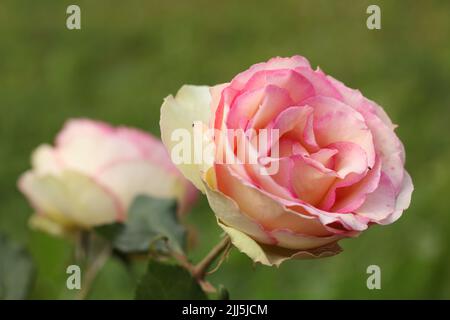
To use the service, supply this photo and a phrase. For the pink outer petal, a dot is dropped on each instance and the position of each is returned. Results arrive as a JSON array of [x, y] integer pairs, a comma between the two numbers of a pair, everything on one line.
[[295, 84], [389, 148], [356, 100], [321, 84], [386, 141], [273, 64], [403, 200], [380, 203]]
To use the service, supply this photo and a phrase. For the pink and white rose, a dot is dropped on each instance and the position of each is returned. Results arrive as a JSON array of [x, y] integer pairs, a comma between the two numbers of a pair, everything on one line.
[[93, 173], [341, 166]]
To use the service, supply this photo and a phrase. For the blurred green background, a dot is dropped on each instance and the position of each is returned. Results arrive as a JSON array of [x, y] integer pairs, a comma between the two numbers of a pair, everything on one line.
[[130, 54]]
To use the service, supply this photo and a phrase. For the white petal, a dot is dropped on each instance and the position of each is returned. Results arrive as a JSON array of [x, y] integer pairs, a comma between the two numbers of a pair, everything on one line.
[[71, 199], [128, 179], [191, 104]]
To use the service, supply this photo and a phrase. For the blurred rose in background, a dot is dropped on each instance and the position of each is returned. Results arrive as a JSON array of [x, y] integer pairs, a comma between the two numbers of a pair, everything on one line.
[[92, 174]]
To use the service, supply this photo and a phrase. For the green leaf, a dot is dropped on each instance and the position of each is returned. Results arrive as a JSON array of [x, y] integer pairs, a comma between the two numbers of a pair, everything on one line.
[[149, 221], [168, 282], [110, 231], [16, 270]]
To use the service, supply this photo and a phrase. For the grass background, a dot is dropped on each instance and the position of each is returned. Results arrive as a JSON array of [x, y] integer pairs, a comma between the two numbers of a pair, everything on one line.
[[131, 54]]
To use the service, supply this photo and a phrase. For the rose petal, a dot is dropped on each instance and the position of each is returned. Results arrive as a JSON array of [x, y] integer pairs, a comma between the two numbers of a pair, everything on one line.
[[275, 100], [85, 146], [321, 84], [272, 255], [295, 84], [243, 108], [403, 200], [380, 203], [269, 213], [352, 197], [71, 198], [45, 161], [389, 148], [273, 64], [291, 240], [337, 122], [191, 104], [350, 158], [311, 181], [297, 124], [127, 179]]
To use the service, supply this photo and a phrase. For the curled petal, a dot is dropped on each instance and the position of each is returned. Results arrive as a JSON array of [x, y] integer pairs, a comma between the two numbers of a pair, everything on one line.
[[292, 82], [389, 148], [243, 109], [272, 255], [321, 84], [311, 181], [380, 203], [353, 196], [275, 100], [350, 158], [403, 200], [296, 123], [336, 122], [273, 64]]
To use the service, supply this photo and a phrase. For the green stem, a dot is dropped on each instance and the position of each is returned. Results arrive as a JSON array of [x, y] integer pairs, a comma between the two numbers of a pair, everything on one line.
[[92, 271], [200, 270]]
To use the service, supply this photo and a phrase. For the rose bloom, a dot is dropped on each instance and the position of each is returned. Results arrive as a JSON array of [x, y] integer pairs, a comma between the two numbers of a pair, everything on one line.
[[93, 173], [340, 164]]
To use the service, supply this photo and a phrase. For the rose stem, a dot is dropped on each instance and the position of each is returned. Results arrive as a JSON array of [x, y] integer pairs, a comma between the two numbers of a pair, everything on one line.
[[92, 271], [199, 271]]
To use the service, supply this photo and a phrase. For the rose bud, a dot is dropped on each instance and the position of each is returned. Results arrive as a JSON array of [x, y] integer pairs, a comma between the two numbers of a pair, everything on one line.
[[339, 164], [93, 173]]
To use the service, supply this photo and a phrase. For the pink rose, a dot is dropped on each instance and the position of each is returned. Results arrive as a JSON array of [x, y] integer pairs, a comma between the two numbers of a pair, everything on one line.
[[340, 164], [93, 173]]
